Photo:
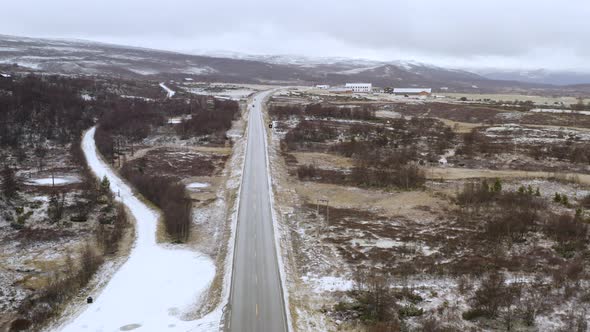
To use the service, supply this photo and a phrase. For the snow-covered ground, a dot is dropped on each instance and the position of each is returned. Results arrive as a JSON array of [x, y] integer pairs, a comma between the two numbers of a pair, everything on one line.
[[179, 119], [58, 181], [169, 91], [157, 286], [197, 185], [529, 135], [234, 94], [560, 111]]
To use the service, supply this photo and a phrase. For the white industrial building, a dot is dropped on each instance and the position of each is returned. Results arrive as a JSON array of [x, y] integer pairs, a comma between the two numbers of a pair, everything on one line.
[[412, 91], [322, 86], [359, 87]]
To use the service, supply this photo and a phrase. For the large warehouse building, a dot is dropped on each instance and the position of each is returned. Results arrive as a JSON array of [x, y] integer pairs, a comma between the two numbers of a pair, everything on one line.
[[360, 87]]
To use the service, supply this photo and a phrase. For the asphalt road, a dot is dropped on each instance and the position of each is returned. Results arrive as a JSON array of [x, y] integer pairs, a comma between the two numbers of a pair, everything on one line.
[[256, 300]]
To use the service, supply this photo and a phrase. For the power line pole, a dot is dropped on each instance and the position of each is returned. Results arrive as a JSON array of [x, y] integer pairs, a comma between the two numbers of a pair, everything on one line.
[[326, 202]]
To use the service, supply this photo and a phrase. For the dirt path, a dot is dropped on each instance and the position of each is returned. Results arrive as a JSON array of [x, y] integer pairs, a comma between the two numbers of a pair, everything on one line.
[[465, 127], [452, 173]]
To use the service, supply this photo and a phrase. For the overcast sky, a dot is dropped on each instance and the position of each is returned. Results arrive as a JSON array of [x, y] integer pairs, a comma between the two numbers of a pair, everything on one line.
[[495, 33]]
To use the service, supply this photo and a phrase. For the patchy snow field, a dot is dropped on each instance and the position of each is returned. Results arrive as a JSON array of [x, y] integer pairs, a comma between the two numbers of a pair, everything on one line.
[[528, 135], [158, 285], [558, 111], [58, 181], [234, 94], [179, 119]]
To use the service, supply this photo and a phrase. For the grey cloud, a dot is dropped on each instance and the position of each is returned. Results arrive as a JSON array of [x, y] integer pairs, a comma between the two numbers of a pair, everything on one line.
[[542, 33]]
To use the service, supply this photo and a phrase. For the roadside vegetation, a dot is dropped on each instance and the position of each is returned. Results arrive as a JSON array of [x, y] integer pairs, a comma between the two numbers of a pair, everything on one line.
[[55, 232], [427, 251], [385, 154]]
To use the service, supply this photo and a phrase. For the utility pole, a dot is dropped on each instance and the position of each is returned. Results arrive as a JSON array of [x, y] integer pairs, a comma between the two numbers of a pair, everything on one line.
[[326, 202]]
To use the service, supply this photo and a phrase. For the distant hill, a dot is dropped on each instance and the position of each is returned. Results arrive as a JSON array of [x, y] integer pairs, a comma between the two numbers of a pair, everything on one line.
[[539, 76], [92, 58]]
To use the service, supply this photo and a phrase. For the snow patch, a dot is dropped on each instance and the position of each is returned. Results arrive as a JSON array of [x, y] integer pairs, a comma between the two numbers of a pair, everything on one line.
[[197, 185], [328, 283], [87, 97], [58, 181], [235, 94], [143, 71], [558, 111]]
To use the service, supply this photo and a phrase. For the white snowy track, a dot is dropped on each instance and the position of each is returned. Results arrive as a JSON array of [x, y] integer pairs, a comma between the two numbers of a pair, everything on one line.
[[157, 284], [169, 91]]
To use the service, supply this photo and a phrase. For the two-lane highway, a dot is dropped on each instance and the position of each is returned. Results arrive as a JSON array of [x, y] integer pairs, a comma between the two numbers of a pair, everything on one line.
[[256, 298]]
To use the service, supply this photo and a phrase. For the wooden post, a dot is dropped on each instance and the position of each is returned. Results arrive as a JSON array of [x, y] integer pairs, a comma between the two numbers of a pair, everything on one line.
[[328, 212]]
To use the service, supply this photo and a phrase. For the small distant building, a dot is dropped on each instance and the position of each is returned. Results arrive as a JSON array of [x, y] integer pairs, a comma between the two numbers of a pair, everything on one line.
[[322, 86], [359, 87], [388, 89], [413, 91]]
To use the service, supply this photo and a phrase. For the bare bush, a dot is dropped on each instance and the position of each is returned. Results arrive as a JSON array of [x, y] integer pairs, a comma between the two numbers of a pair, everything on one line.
[[44, 304], [476, 142], [493, 295], [170, 196], [364, 112], [207, 122], [375, 301], [40, 108], [567, 230], [108, 236], [9, 182]]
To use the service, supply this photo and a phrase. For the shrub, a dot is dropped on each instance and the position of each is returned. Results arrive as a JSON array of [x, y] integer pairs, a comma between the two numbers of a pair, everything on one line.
[[410, 310], [473, 314], [207, 122], [492, 295], [476, 193], [305, 172], [46, 302], [9, 182], [322, 111], [170, 196], [565, 228], [374, 299], [108, 236], [557, 198]]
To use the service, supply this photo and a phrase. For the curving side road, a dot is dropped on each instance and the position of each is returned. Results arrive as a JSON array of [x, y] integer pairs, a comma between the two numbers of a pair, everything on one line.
[[256, 298], [156, 285]]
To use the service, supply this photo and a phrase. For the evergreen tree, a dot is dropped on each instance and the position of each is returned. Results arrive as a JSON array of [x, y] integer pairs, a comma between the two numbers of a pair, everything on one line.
[[529, 190], [564, 200], [497, 185], [105, 185]]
